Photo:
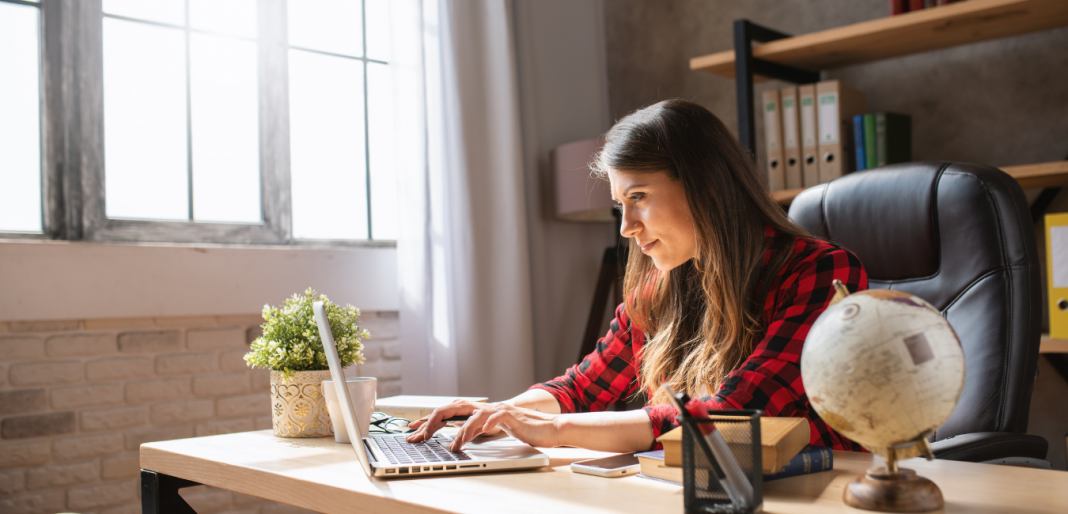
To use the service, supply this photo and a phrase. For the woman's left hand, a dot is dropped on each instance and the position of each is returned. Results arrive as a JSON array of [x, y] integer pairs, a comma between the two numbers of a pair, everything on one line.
[[530, 426]]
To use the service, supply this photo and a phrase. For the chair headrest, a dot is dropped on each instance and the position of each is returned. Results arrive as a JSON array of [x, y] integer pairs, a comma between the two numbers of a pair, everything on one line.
[[877, 215]]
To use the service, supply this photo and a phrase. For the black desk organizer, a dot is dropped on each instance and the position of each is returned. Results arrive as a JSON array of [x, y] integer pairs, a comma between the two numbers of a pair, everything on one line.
[[701, 472]]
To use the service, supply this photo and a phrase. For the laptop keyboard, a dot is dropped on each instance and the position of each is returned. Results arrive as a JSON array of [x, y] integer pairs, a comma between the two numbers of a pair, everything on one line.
[[399, 451]]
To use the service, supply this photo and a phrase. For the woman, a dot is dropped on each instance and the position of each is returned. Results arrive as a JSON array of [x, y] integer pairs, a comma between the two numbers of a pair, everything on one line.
[[722, 289]]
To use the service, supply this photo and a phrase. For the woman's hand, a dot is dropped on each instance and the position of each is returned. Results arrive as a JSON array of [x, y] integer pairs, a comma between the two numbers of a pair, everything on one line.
[[530, 426], [425, 428]]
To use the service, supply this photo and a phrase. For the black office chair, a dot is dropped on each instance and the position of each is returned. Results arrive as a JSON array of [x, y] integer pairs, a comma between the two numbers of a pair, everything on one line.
[[959, 236]]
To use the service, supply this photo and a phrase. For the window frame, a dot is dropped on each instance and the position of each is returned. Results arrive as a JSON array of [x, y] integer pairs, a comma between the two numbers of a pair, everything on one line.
[[72, 142]]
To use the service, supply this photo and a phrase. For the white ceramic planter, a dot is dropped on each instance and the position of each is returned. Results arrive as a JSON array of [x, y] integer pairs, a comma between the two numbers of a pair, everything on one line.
[[298, 407]]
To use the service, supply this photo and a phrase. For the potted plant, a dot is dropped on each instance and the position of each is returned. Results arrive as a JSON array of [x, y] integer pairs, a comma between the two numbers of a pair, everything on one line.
[[291, 348]]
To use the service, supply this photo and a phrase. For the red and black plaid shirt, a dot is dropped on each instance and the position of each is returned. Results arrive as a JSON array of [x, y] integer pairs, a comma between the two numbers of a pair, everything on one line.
[[770, 379]]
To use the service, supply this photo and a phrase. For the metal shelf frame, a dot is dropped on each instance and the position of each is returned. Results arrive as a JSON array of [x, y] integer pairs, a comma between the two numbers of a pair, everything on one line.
[[746, 66]]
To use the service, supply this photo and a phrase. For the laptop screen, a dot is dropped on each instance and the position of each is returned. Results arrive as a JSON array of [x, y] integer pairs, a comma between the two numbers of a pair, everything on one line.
[[342, 391]]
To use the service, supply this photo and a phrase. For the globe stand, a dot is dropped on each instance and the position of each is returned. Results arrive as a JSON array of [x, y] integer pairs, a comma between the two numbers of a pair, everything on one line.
[[890, 489]]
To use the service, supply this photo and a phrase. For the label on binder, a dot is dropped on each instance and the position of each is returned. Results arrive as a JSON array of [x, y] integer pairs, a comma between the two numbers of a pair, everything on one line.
[[771, 122], [1058, 245], [808, 122], [789, 126], [828, 122]]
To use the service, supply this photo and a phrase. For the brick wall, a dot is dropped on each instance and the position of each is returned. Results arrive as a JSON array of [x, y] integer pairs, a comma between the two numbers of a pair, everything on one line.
[[78, 397]]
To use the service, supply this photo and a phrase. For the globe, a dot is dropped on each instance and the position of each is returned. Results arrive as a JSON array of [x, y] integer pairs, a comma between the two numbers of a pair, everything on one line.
[[883, 368]]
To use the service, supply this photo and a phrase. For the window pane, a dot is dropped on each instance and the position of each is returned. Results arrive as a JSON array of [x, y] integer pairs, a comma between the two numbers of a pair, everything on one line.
[[235, 17], [326, 25], [225, 117], [383, 176], [20, 120], [378, 30], [163, 11], [328, 166], [145, 172]]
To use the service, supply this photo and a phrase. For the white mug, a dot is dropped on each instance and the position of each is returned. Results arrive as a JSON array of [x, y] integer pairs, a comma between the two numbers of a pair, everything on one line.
[[362, 392]]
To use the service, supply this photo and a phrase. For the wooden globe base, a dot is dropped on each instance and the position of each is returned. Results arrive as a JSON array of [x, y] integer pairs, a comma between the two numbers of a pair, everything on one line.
[[885, 491]]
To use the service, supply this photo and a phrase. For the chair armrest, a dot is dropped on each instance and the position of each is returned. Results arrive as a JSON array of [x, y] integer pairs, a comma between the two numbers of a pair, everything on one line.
[[986, 446]]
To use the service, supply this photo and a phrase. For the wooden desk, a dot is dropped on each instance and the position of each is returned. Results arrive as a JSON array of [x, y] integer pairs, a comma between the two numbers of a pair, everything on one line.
[[320, 475]]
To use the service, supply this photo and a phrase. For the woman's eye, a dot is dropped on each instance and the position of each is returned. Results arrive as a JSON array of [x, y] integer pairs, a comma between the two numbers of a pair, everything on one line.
[[637, 196]]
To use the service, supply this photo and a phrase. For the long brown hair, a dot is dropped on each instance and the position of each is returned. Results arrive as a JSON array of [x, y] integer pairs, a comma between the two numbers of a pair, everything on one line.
[[703, 317]]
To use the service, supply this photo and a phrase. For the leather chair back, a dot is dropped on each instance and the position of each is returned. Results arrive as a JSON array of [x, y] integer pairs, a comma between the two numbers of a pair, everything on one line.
[[961, 237]]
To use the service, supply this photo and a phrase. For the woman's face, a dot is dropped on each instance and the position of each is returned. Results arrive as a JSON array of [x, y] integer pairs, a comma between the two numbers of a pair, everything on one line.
[[657, 215]]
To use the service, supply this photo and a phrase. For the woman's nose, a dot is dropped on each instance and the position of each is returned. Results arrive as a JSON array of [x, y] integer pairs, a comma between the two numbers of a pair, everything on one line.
[[629, 226]]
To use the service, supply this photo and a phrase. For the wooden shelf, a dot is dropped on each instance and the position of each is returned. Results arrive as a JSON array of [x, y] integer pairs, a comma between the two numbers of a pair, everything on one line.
[[895, 36], [1046, 174], [1050, 345], [786, 196]]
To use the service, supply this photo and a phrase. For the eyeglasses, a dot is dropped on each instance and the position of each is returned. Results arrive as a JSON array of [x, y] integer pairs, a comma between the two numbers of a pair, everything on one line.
[[381, 423]]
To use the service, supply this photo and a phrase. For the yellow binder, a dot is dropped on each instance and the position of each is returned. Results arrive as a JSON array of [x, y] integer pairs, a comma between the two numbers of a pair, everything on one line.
[[1057, 273]]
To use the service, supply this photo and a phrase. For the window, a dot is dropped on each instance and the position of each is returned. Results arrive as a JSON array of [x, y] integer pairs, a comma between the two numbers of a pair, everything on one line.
[[225, 121], [20, 118], [181, 136], [339, 118]]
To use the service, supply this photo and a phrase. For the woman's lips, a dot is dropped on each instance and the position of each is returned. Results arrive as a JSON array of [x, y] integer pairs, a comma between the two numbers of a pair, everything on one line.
[[645, 249]]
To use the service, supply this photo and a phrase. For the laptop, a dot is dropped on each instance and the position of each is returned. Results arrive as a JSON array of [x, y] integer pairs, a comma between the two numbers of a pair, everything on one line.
[[391, 456]]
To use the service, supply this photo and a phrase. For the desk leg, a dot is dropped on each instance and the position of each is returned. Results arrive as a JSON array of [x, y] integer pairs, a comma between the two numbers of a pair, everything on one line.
[[159, 494]]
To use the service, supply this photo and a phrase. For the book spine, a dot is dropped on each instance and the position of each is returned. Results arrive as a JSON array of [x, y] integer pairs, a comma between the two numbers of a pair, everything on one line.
[[915, 5], [858, 145], [810, 460], [880, 139], [898, 138], [869, 140], [897, 7]]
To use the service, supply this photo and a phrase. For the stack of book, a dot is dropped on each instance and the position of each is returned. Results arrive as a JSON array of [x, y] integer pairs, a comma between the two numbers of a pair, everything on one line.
[[784, 449], [881, 138], [904, 6]]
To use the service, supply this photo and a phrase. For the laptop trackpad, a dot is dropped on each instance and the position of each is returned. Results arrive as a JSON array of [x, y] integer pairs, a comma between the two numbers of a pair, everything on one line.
[[499, 446]]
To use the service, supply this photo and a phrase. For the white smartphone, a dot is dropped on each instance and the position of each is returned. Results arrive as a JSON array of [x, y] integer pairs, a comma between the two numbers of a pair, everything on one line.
[[614, 466]]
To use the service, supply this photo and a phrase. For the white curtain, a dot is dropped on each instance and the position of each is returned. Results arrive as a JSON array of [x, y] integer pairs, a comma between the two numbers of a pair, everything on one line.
[[465, 312]]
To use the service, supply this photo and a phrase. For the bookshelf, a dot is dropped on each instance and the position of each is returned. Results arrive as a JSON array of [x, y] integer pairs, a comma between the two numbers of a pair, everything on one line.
[[1044, 175], [799, 59], [896, 36]]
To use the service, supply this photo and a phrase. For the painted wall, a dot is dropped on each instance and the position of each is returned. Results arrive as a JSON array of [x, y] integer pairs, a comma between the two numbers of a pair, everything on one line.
[[42, 280], [564, 94]]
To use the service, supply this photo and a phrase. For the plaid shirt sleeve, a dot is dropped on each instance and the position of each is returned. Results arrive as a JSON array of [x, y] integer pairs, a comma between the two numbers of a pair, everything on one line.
[[606, 375], [770, 379]]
